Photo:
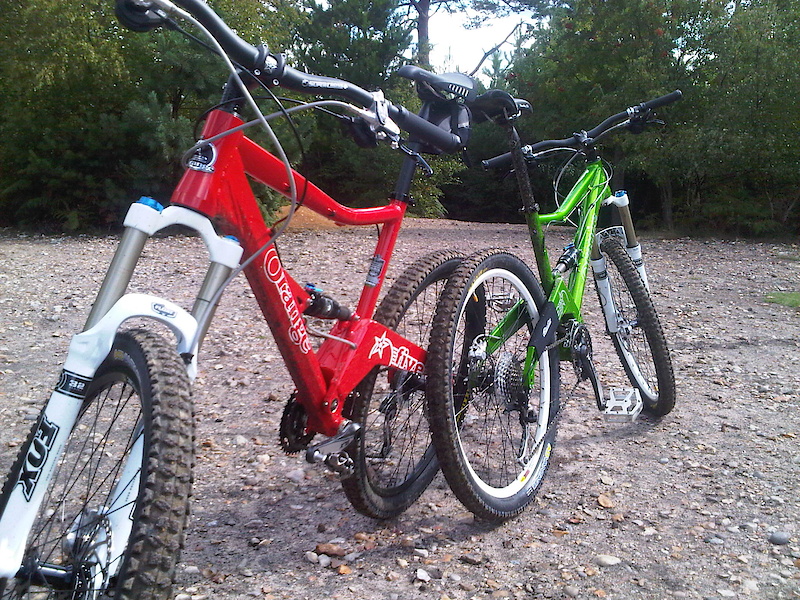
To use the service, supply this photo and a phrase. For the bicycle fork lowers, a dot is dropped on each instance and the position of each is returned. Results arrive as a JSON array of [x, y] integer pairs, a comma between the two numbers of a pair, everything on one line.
[[88, 350]]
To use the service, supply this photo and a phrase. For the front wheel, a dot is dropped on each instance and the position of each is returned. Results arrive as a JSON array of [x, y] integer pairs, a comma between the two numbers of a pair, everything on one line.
[[493, 409], [394, 460], [111, 524], [636, 331]]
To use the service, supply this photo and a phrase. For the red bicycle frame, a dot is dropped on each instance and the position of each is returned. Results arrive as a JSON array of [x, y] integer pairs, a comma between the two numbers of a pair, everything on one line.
[[221, 191]]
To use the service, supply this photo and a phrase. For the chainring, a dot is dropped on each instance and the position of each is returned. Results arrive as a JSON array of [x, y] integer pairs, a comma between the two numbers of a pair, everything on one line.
[[292, 434], [580, 343]]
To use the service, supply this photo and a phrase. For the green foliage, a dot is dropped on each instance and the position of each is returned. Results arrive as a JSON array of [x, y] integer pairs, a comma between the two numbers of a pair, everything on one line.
[[360, 41], [790, 299], [729, 153], [94, 115], [356, 40]]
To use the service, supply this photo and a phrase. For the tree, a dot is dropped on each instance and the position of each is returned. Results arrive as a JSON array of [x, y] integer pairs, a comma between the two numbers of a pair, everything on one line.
[[421, 11], [361, 41], [94, 114]]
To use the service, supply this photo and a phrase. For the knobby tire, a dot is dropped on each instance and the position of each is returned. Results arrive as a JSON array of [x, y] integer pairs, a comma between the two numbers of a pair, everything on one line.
[[141, 381]]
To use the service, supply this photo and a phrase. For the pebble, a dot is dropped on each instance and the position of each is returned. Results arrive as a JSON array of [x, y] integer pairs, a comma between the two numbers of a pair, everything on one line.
[[471, 559], [423, 575], [312, 557], [296, 475], [330, 549], [780, 538], [572, 591], [750, 586], [324, 561], [421, 552], [606, 560]]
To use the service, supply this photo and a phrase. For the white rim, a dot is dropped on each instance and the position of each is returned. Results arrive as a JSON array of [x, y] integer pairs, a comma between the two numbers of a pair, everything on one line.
[[529, 471]]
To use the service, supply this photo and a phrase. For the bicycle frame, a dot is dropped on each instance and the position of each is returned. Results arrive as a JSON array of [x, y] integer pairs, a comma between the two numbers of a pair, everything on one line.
[[323, 378], [588, 195], [215, 189]]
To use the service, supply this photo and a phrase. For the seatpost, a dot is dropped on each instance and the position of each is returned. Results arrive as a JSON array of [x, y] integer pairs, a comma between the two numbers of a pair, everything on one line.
[[529, 204], [402, 189], [530, 209]]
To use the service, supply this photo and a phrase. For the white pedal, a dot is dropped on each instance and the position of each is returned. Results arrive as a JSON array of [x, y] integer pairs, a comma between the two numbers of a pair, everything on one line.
[[623, 405]]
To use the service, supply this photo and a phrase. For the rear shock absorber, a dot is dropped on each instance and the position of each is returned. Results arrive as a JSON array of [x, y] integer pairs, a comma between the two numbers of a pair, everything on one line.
[[322, 306]]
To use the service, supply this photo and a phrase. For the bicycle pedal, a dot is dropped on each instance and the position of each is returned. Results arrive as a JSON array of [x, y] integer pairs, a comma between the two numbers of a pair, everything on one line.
[[332, 452], [623, 405]]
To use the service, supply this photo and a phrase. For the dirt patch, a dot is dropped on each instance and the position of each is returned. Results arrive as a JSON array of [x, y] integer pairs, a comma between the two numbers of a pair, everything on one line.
[[305, 218], [691, 506]]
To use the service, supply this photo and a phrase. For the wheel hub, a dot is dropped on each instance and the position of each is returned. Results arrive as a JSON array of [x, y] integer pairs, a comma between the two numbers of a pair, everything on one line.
[[89, 544]]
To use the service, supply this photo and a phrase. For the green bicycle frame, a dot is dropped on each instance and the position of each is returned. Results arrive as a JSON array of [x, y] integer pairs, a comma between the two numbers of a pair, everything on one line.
[[588, 195], [589, 192]]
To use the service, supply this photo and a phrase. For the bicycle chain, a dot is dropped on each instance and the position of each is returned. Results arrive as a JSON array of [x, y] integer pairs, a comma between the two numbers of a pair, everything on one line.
[[564, 400]]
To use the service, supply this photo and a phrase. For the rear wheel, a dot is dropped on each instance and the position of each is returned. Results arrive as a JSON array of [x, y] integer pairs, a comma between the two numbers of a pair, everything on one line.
[[394, 458], [493, 427], [638, 337], [112, 521]]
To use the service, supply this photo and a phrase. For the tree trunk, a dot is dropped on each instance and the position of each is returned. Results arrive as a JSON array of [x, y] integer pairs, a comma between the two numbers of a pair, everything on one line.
[[666, 205], [618, 175], [423, 33]]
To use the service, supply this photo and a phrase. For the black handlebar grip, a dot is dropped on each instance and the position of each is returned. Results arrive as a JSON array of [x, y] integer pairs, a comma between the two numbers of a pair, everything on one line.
[[503, 161], [426, 131], [664, 100]]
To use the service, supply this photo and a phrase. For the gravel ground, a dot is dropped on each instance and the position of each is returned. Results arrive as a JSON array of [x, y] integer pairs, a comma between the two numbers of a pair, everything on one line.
[[701, 504]]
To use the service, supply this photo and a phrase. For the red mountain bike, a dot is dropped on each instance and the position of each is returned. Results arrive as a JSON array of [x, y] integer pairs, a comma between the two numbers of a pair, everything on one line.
[[97, 499]]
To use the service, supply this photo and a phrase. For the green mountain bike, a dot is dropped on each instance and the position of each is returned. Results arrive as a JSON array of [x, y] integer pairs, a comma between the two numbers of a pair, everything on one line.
[[499, 334]]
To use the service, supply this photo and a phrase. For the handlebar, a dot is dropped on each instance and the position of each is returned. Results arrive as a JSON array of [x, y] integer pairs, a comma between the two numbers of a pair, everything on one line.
[[271, 70], [587, 138]]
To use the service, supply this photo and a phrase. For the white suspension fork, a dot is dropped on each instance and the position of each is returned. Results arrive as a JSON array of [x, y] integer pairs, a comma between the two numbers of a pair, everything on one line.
[[87, 351], [604, 291], [632, 246]]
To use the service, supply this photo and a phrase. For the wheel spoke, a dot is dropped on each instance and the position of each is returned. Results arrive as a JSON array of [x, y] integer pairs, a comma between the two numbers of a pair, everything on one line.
[[479, 414]]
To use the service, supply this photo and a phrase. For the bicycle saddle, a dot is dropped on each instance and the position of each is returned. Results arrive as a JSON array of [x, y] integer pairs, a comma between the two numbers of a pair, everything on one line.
[[447, 86], [498, 106]]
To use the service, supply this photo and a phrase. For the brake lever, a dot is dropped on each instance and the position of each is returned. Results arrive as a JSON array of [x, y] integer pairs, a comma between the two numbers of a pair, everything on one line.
[[421, 162], [637, 126]]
